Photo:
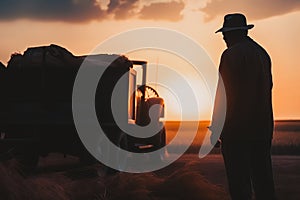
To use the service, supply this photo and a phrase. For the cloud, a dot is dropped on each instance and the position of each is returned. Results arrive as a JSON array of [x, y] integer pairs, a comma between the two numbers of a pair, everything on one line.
[[253, 9], [163, 11], [51, 10], [122, 9], [88, 10]]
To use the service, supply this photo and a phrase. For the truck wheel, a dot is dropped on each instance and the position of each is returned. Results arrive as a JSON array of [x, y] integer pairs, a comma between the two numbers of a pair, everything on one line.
[[161, 145], [119, 160], [6, 154], [122, 144], [86, 158], [27, 162], [163, 138]]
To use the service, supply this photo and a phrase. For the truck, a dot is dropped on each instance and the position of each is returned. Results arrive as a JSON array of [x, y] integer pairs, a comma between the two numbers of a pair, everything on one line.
[[36, 105]]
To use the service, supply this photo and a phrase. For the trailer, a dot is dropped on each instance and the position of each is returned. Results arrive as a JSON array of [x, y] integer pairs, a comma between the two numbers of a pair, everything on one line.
[[36, 105]]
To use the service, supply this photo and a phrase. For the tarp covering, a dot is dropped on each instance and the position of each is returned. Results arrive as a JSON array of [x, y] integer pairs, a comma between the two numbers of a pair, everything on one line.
[[47, 72], [38, 85]]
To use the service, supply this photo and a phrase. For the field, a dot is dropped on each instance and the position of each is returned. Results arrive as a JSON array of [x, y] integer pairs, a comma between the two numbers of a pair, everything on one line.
[[59, 178], [286, 136]]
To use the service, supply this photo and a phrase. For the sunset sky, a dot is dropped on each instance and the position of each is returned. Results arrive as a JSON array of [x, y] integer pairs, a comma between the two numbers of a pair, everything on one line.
[[81, 25]]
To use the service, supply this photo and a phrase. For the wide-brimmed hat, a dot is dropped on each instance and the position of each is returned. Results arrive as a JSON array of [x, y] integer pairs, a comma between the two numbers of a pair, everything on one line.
[[235, 21]]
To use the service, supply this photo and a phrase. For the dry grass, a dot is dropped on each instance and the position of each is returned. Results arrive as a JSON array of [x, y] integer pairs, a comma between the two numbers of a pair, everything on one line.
[[184, 183]]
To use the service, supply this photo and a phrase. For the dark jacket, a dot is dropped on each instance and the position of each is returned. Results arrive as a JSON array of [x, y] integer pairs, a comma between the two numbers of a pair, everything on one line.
[[245, 69]]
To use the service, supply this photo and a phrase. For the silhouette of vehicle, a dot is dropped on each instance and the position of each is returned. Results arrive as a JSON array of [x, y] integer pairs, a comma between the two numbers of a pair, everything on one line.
[[36, 104]]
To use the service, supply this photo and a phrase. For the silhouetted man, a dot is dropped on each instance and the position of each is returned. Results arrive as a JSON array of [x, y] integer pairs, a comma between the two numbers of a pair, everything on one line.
[[245, 69]]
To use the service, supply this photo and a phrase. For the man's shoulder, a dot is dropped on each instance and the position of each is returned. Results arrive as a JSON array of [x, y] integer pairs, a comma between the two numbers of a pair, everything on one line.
[[240, 46], [232, 51], [236, 49], [245, 47]]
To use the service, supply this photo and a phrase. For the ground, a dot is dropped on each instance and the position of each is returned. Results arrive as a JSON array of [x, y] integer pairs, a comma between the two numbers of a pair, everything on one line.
[[188, 178]]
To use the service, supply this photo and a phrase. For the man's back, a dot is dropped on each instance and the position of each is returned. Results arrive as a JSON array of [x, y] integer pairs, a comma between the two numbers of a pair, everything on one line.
[[246, 72]]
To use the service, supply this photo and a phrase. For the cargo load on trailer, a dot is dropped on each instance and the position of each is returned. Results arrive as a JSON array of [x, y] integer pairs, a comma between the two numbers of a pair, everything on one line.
[[36, 103]]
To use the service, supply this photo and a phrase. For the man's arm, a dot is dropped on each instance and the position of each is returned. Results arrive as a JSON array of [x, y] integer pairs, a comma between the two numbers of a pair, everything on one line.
[[219, 111]]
